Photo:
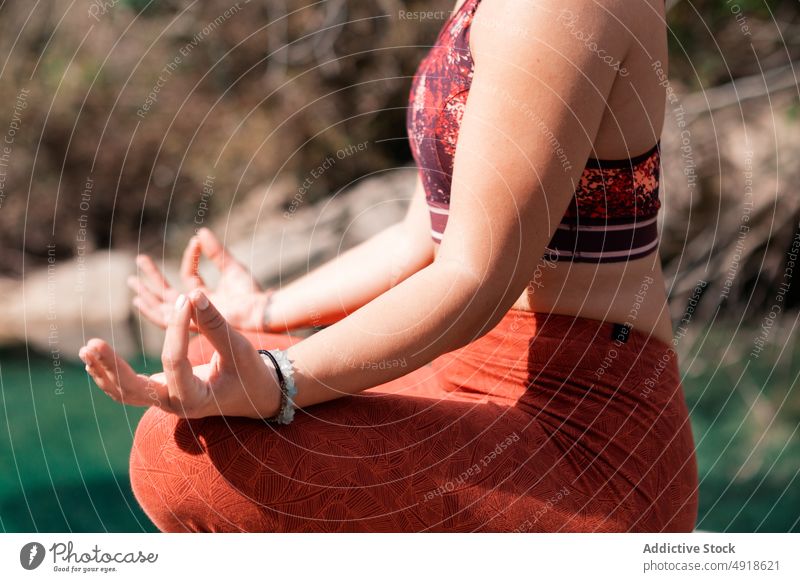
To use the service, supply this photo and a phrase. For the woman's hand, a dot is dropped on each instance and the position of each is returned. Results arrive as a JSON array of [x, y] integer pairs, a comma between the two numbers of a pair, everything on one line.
[[238, 296], [236, 382]]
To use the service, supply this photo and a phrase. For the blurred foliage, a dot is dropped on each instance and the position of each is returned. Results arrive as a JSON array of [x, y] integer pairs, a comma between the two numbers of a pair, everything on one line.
[[244, 92], [707, 45]]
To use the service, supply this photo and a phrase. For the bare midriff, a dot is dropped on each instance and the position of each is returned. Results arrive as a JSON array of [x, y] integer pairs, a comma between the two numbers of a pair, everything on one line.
[[631, 292]]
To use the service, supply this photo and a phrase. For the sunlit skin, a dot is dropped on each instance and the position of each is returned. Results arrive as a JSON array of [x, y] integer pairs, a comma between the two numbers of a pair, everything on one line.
[[399, 295], [237, 295]]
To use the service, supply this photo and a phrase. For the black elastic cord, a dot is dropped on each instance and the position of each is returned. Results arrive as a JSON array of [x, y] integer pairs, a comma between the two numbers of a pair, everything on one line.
[[281, 380]]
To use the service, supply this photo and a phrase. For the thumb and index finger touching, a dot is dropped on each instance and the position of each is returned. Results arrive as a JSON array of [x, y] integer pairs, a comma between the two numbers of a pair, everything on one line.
[[204, 243], [225, 339], [184, 388]]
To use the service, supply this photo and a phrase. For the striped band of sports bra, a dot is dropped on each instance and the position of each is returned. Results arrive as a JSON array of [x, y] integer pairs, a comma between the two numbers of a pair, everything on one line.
[[612, 215]]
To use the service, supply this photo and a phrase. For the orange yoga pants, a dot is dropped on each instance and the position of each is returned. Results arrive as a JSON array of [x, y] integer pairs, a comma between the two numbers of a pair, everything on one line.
[[547, 423]]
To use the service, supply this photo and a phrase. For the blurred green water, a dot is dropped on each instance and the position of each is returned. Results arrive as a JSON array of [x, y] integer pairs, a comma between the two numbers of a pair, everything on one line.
[[64, 457], [746, 421]]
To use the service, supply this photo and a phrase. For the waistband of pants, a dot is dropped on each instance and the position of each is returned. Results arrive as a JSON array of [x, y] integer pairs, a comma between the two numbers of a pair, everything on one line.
[[578, 348], [555, 325]]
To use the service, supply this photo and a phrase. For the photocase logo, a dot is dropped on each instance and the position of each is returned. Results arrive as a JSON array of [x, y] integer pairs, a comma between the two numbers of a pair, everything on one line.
[[31, 555]]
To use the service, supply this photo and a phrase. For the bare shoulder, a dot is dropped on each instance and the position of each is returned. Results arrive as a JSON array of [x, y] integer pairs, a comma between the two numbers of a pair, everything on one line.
[[559, 26]]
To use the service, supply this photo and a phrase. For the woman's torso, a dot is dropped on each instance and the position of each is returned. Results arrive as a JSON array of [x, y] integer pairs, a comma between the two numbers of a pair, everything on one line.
[[631, 291]]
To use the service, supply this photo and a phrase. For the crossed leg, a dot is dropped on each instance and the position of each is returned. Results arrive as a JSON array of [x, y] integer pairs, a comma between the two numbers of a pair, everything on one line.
[[409, 455]]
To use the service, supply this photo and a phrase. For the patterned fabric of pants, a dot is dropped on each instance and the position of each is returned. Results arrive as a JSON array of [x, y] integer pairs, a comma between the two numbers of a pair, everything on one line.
[[547, 423]]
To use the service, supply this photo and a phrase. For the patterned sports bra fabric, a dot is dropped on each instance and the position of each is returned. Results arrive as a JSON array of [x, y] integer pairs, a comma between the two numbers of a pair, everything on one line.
[[612, 216]]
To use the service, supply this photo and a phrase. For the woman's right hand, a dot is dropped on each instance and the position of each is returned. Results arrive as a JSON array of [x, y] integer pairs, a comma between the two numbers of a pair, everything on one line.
[[239, 298], [235, 382]]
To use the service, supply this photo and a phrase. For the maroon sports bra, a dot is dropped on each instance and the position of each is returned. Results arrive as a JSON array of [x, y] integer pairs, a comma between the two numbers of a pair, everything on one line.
[[612, 216]]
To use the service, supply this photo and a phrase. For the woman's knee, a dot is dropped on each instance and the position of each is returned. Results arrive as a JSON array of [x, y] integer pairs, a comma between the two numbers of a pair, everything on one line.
[[162, 475], [196, 475]]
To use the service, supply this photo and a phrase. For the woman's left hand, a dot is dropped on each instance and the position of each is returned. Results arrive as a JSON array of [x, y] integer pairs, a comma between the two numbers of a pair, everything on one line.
[[236, 382], [237, 294]]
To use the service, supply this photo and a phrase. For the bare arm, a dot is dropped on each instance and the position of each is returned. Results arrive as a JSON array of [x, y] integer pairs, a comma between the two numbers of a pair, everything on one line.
[[508, 195], [357, 276], [320, 297]]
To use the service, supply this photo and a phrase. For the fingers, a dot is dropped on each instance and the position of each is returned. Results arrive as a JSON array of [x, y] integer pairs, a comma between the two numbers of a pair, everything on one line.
[[153, 307], [141, 289], [153, 279], [115, 376], [175, 356], [214, 327], [214, 250], [155, 313], [160, 314], [190, 264], [98, 373]]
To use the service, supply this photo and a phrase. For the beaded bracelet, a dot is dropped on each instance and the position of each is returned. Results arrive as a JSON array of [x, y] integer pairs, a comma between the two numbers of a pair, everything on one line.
[[285, 372]]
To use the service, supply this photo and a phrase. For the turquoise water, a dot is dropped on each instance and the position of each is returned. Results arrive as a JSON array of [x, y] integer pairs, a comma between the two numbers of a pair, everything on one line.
[[746, 422], [64, 453]]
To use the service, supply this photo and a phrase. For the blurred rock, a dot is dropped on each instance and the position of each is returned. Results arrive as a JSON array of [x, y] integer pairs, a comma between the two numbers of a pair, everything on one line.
[[279, 245], [56, 309]]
